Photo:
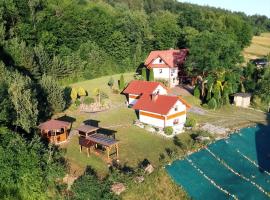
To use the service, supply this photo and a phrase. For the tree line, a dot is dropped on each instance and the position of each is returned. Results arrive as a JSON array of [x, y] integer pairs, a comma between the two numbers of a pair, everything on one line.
[[78, 39]]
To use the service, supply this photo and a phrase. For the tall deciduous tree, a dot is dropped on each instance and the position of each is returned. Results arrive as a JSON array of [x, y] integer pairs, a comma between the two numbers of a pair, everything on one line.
[[53, 93], [24, 102], [264, 88], [28, 168], [213, 53], [7, 113], [165, 30]]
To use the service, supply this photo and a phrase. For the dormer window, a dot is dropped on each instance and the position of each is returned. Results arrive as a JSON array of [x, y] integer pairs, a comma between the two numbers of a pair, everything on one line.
[[160, 71]]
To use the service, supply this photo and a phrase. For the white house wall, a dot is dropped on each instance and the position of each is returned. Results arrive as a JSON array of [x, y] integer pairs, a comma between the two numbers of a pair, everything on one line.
[[169, 74], [165, 74], [181, 118], [150, 120]]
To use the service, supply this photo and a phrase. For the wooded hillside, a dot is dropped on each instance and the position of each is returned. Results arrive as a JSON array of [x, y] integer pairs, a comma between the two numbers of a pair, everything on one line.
[[80, 39]]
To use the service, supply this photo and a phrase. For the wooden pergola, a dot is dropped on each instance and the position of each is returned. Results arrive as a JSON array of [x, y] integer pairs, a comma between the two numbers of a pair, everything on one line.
[[86, 130], [89, 138], [55, 131]]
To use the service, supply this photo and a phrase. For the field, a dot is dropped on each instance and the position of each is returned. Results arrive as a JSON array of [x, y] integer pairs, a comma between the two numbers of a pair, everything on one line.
[[260, 46], [136, 144]]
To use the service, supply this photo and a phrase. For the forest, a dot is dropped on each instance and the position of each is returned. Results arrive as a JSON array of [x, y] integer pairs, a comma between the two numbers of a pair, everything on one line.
[[47, 44]]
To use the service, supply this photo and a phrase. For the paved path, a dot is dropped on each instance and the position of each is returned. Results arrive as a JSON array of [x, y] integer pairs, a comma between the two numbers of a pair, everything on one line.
[[181, 91]]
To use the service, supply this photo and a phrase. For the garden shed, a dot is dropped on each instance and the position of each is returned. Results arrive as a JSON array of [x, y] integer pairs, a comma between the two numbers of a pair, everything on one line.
[[242, 99]]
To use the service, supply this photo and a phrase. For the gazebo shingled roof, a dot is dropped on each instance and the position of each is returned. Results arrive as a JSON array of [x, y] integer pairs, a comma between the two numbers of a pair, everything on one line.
[[53, 124]]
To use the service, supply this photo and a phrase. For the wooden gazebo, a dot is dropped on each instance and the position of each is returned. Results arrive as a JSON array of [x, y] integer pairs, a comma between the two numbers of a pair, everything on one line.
[[90, 139], [55, 131]]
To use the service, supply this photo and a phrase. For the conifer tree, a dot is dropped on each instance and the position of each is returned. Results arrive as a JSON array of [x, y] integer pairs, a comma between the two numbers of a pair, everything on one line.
[[151, 75], [121, 82]]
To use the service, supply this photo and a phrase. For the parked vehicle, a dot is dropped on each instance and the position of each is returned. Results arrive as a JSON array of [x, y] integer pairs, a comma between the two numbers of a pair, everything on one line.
[[260, 62]]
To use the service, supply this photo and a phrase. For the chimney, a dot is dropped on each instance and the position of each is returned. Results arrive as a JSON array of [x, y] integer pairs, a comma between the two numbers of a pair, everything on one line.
[[154, 97]]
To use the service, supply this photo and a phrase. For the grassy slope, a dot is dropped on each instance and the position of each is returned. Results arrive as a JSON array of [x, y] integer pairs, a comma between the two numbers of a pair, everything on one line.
[[136, 144], [259, 47]]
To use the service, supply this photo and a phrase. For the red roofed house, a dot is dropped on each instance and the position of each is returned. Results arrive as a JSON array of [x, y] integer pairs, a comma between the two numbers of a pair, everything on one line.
[[162, 110], [167, 64], [154, 106], [136, 88]]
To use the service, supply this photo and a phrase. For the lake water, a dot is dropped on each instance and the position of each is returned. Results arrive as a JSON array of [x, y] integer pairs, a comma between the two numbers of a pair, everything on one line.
[[235, 168]]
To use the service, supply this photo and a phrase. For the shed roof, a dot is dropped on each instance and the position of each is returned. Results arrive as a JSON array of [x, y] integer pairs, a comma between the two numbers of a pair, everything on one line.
[[242, 94], [87, 128], [53, 124], [102, 139]]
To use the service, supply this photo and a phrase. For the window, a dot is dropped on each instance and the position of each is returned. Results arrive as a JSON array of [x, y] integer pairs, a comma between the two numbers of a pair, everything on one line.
[[160, 60], [160, 71], [173, 80], [173, 70], [176, 121], [176, 108]]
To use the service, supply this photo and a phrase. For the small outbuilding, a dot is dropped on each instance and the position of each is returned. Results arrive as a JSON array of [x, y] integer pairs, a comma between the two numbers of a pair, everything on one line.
[[90, 139], [242, 99], [55, 131]]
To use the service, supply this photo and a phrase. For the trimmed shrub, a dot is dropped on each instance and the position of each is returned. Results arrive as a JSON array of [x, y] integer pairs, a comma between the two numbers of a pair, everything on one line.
[[111, 82], [73, 94], [151, 75], [121, 82], [168, 130], [88, 100], [77, 102], [212, 104], [191, 122], [144, 74], [81, 92], [197, 92]]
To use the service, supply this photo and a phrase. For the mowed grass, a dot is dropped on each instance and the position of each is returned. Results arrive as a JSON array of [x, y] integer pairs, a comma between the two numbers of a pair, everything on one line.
[[260, 46], [136, 144]]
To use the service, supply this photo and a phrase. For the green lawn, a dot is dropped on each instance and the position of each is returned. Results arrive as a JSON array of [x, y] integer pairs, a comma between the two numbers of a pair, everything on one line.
[[136, 144]]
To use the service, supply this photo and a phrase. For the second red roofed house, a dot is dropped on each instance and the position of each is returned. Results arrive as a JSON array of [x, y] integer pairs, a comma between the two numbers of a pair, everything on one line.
[[154, 106], [136, 88]]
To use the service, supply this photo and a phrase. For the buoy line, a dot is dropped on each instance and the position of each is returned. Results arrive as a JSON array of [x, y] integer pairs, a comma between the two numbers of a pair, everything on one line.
[[210, 180], [253, 162], [236, 173]]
